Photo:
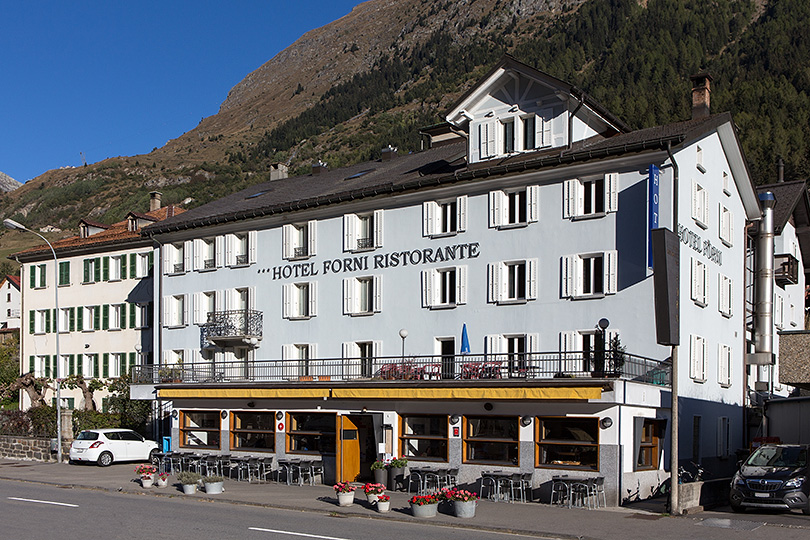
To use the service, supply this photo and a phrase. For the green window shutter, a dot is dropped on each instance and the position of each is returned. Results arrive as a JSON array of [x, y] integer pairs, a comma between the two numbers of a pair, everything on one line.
[[122, 364], [42, 281], [132, 315], [72, 364], [86, 274], [132, 361], [149, 315], [105, 405], [79, 318], [64, 273], [55, 321], [123, 267], [96, 317], [151, 262], [32, 324], [80, 364], [97, 269], [105, 317], [47, 320], [47, 366], [95, 366], [105, 366], [72, 319], [105, 269], [71, 403], [32, 364], [32, 274], [132, 265]]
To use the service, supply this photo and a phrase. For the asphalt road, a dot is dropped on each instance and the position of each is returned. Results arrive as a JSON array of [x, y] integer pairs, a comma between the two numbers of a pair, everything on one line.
[[32, 511]]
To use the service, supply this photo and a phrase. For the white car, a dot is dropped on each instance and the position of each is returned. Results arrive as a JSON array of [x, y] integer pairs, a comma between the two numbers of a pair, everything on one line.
[[107, 445]]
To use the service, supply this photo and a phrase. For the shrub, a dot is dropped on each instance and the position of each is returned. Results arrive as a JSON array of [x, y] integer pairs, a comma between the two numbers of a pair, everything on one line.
[[15, 423], [188, 477]]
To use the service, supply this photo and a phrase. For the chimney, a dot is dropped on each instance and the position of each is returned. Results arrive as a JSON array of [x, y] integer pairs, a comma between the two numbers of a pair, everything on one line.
[[780, 170], [154, 200], [318, 168], [389, 153], [701, 95]]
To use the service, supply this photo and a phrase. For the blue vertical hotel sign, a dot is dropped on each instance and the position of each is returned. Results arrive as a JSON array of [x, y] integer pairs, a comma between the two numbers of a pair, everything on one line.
[[652, 205]]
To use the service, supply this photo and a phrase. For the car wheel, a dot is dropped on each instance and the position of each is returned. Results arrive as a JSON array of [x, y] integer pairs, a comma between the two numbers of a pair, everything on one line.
[[806, 509], [738, 509], [105, 459], [152, 459]]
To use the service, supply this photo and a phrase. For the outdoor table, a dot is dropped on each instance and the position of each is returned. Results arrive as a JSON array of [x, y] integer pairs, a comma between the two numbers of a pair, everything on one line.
[[288, 467], [159, 459], [569, 486], [495, 479]]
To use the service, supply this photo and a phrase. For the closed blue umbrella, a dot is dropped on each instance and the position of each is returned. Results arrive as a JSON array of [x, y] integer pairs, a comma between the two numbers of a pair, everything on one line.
[[465, 341]]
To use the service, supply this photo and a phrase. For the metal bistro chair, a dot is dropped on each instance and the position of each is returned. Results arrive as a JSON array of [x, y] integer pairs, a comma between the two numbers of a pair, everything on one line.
[[211, 465], [265, 467], [559, 492], [308, 470], [249, 468], [448, 478], [581, 493], [598, 492]]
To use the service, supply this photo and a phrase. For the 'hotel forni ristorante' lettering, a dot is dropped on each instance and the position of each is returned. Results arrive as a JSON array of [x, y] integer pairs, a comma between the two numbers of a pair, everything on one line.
[[701, 246], [365, 263]]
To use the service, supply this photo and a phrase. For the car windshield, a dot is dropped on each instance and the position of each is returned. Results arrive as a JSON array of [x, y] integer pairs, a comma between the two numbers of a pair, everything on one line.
[[87, 436], [778, 456]]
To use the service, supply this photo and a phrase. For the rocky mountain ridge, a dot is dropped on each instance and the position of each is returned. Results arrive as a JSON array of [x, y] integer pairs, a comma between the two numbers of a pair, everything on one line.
[[7, 183]]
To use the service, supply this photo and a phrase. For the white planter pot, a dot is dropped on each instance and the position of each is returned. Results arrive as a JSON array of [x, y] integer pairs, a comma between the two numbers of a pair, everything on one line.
[[189, 489], [383, 506], [424, 510], [147, 481], [371, 497], [345, 499], [464, 509], [213, 488], [161, 483]]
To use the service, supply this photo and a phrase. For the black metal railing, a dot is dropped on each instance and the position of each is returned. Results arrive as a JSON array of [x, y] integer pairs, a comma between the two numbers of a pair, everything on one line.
[[237, 323], [179, 268], [241, 259], [365, 243], [301, 252], [541, 365], [786, 271], [209, 263]]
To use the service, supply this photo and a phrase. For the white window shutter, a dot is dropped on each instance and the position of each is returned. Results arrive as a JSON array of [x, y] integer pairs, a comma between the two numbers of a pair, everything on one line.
[[349, 232], [198, 253], [570, 188], [313, 298], [545, 127], [531, 279], [496, 208], [287, 352], [612, 192], [188, 247], [378, 228], [461, 285], [348, 295], [695, 213], [693, 356], [377, 293], [483, 131], [492, 344], [286, 300], [348, 349], [533, 201], [219, 300], [569, 275], [219, 250], [185, 309], [168, 302], [167, 358], [253, 240], [229, 255], [559, 128], [492, 133], [428, 213], [611, 270], [168, 267], [251, 298], [229, 299], [493, 282], [312, 225], [461, 213], [538, 132], [286, 241], [427, 288], [474, 143], [197, 307]]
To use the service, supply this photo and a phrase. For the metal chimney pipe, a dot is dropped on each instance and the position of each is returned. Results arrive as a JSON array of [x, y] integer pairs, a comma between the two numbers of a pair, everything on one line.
[[780, 170], [763, 304]]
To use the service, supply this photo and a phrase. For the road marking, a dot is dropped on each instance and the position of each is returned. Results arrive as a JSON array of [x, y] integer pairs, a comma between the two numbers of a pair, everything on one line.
[[296, 533], [43, 502]]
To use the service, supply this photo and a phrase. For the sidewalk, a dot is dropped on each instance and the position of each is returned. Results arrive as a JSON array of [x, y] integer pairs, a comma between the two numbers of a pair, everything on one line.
[[532, 519]]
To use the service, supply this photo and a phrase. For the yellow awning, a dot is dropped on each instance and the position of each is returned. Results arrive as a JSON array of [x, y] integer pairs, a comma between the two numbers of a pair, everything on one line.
[[577, 393], [243, 393]]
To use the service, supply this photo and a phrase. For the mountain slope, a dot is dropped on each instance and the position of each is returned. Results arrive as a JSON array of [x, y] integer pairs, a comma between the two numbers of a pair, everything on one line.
[[7, 183]]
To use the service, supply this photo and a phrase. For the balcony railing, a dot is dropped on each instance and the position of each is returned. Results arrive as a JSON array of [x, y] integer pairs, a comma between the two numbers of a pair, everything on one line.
[[529, 366], [209, 263], [179, 268], [365, 243], [786, 271], [232, 325], [241, 259], [300, 252]]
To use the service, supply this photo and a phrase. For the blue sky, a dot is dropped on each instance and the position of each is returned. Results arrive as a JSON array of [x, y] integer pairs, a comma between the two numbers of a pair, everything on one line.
[[114, 78]]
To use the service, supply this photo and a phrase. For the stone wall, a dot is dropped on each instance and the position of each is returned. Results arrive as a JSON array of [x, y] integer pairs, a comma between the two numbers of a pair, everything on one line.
[[30, 448]]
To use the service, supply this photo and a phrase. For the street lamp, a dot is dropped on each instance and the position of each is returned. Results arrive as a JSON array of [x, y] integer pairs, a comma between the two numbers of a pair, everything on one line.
[[403, 334], [13, 225]]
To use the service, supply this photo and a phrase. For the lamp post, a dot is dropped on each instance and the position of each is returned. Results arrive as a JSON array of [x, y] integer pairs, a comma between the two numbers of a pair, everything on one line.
[[13, 225], [403, 334]]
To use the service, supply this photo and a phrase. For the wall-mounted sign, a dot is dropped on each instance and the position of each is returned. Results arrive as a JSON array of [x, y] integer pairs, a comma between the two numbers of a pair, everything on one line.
[[704, 247], [653, 203]]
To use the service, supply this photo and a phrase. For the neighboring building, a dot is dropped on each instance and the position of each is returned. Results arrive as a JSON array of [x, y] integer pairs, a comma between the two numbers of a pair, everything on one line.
[[10, 302], [281, 305], [104, 318]]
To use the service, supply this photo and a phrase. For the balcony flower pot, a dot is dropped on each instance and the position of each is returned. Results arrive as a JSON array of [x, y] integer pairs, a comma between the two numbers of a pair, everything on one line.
[[463, 501], [214, 484]]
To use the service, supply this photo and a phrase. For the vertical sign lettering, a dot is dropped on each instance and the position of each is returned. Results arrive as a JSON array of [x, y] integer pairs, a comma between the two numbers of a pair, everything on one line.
[[652, 205]]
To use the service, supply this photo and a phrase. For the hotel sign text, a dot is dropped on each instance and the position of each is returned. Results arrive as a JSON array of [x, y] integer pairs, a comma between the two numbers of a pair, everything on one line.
[[694, 241]]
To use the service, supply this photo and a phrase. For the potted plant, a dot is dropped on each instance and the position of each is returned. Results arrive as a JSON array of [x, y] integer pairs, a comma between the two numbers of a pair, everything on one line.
[[380, 472], [213, 484], [383, 503], [463, 502], [345, 493], [162, 480], [373, 491], [147, 474], [396, 472], [189, 481], [424, 506]]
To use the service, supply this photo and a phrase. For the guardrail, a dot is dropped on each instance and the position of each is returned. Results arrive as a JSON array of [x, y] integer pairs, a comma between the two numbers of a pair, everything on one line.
[[416, 368]]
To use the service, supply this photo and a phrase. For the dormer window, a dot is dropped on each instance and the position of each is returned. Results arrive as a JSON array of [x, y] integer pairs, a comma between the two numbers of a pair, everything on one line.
[[132, 224], [84, 231]]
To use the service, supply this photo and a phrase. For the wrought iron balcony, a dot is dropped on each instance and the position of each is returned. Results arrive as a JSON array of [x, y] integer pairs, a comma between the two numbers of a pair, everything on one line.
[[786, 269], [223, 327], [365, 243], [301, 252], [179, 268], [241, 259], [209, 263]]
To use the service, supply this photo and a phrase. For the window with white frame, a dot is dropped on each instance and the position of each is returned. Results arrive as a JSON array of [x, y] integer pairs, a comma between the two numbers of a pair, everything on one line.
[[512, 281], [143, 264], [303, 353], [174, 356], [360, 355], [699, 160], [363, 231], [509, 208], [300, 300], [42, 321], [588, 348], [697, 358], [177, 257], [493, 137], [726, 183], [362, 295], [508, 136], [513, 351], [118, 317], [723, 437], [91, 270], [118, 365], [698, 291], [700, 205], [139, 315], [778, 311], [205, 303], [726, 226], [205, 254], [240, 248], [38, 276], [43, 367], [444, 218], [64, 319], [299, 240], [591, 196], [115, 268], [175, 311], [444, 287], [589, 274], [724, 365], [725, 291], [91, 318]]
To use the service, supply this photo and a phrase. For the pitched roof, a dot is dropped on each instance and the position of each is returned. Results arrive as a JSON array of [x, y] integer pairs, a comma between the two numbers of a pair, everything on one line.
[[117, 233], [15, 280], [792, 199]]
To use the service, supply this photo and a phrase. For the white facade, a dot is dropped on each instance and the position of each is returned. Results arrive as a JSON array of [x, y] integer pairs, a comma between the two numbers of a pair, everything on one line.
[[10, 300]]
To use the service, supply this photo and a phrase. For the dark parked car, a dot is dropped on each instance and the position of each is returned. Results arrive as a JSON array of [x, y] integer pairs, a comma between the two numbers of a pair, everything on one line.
[[774, 476]]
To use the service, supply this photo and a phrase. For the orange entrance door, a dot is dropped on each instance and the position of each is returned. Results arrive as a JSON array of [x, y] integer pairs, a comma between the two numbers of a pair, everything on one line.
[[349, 449]]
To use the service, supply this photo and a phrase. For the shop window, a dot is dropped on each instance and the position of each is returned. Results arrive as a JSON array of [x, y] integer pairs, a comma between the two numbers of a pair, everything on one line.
[[253, 431], [199, 429], [424, 437], [491, 439], [568, 443], [311, 433], [648, 434]]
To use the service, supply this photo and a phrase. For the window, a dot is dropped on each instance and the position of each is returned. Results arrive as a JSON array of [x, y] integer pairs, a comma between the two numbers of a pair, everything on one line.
[[311, 433], [568, 443], [43, 366], [592, 196], [176, 258], [205, 303], [512, 281], [91, 270], [205, 254], [115, 271], [444, 218], [362, 295], [515, 207], [117, 317], [699, 159], [726, 226], [648, 441], [299, 240], [699, 281], [724, 365], [778, 311], [700, 205], [424, 437], [723, 437], [64, 273], [508, 136], [199, 429], [486, 140], [89, 318], [139, 315], [240, 249], [510, 353], [491, 439], [529, 135], [38, 277], [362, 231], [725, 289], [66, 319], [299, 300], [175, 311], [40, 321], [302, 353], [359, 357], [142, 264], [444, 287], [726, 183], [253, 431], [697, 358], [90, 367], [589, 275]]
